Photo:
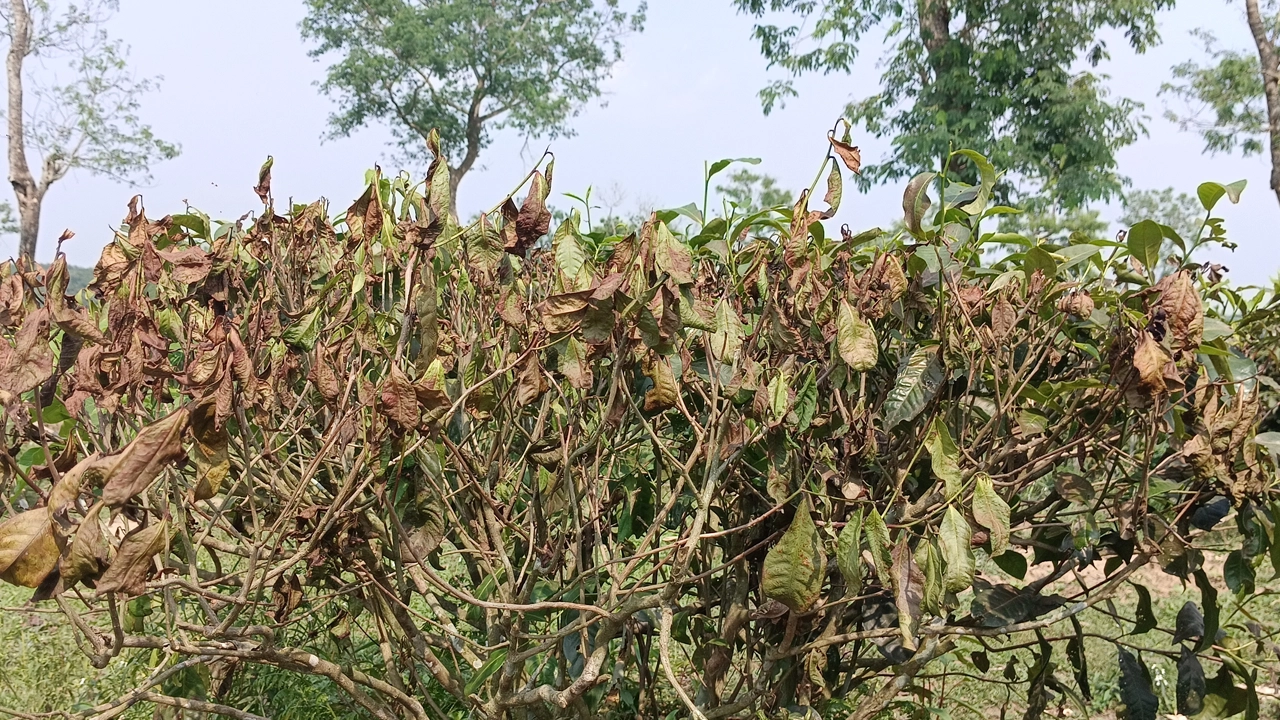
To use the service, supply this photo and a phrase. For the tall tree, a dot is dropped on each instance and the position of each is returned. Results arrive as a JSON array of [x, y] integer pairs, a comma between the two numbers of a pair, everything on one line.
[[464, 68], [1233, 101], [89, 123], [1011, 78]]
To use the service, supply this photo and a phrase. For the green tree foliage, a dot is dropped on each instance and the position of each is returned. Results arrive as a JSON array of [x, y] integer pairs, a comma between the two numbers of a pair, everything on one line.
[[752, 191], [72, 105], [729, 466], [1233, 101], [1008, 77], [464, 68], [1179, 211]]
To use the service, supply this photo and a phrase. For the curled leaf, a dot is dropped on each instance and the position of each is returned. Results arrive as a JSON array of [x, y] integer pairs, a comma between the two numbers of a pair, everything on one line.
[[133, 469], [128, 571], [28, 549]]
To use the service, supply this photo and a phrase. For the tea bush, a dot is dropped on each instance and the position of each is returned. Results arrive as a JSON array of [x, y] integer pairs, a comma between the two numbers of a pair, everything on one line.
[[723, 466]]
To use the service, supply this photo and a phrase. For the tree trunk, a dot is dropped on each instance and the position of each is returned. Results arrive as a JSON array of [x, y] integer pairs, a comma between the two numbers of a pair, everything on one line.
[[1270, 85], [28, 193], [475, 125], [935, 24]]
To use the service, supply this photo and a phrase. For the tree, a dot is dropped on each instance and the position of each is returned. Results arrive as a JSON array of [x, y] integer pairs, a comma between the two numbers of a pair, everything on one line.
[[744, 468], [1179, 211], [89, 123], [1009, 78], [465, 68], [1233, 102], [752, 191]]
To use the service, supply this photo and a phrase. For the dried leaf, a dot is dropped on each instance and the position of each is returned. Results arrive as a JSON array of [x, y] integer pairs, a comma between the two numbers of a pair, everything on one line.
[[1150, 359], [399, 400], [86, 558], [665, 391], [133, 469], [908, 592], [209, 452], [530, 384], [534, 219], [263, 188], [850, 154], [1183, 311], [133, 561], [29, 361], [1003, 317]]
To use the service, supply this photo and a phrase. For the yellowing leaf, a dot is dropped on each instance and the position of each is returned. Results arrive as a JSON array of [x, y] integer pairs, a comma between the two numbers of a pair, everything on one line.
[[954, 537], [726, 341], [665, 392], [849, 554], [877, 535], [991, 512], [945, 457], [795, 567], [28, 550], [856, 339]]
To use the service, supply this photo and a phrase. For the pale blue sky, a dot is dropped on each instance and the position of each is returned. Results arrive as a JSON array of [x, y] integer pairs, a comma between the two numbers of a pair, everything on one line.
[[238, 86]]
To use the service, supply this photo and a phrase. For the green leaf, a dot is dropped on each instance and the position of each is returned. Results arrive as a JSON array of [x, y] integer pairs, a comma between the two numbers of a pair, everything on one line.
[[304, 333], [986, 182], [1144, 241], [779, 395], [1079, 661], [1037, 258], [916, 202], [945, 457], [719, 165], [1208, 601], [1012, 562], [849, 554], [1270, 441], [991, 512], [1191, 685], [1144, 616], [955, 536], [806, 401], [878, 541], [1135, 688], [726, 341], [495, 661], [1211, 192], [1238, 572], [570, 255], [930, 560], [918, 382], [855, 339], [794, 568]]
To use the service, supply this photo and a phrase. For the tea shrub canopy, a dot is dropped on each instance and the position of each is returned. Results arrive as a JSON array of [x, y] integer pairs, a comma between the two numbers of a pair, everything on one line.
[[721, 466]]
